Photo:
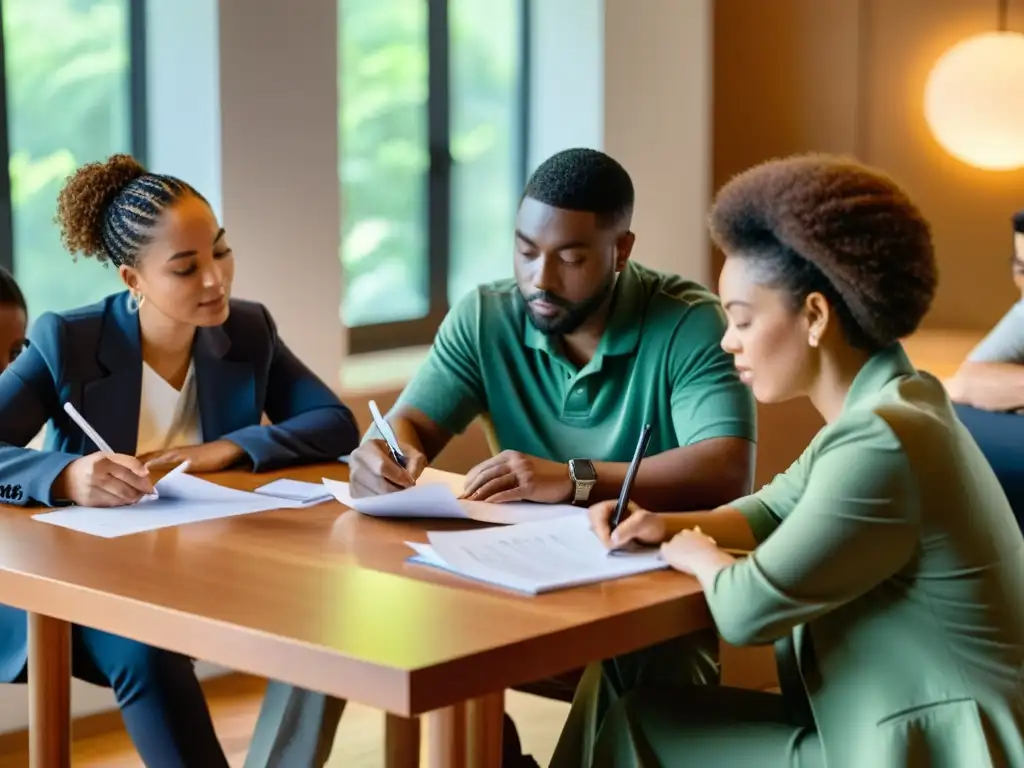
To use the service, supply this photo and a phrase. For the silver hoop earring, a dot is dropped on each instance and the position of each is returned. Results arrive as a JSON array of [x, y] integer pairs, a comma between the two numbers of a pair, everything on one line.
[[133, 302]]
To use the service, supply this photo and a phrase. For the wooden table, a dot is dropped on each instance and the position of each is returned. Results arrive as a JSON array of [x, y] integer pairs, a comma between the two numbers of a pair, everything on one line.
[[322, 598]]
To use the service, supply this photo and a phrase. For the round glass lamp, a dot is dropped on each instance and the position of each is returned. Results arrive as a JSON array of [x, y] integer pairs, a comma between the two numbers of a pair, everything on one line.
[[974, 101]]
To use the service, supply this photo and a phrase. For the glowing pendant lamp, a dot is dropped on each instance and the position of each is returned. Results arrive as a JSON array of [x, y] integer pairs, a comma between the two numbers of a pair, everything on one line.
[[974, 99]]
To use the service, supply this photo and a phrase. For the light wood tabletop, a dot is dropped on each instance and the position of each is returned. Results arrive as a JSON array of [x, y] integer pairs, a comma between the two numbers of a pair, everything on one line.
[[322, 598]]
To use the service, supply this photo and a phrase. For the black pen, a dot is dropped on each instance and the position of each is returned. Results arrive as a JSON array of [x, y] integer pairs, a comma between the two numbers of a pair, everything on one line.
[[627, 484]]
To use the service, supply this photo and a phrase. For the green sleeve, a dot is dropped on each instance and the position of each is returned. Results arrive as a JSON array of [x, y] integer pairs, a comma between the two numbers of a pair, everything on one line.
[[767, 508], [708, 399], [856, 524], [448, 388]]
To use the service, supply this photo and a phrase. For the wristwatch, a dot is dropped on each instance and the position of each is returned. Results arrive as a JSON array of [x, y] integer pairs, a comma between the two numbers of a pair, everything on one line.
[[584, 478]]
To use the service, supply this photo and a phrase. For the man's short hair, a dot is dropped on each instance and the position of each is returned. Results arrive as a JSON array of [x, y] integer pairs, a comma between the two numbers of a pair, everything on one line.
[[584, 180], [1018, 222]]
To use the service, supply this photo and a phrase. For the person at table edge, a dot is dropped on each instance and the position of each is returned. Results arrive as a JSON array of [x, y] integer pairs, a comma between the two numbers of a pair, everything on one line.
[[886, 557], [565, 363], [171, 369], [13, 319], [992, 377]]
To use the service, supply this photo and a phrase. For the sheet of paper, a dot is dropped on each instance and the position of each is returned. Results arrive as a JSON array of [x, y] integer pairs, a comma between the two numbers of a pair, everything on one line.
[[186, 487], [422, 500], [533, 557], [185, 499], [110, 523], [436, 496], [515, 512]]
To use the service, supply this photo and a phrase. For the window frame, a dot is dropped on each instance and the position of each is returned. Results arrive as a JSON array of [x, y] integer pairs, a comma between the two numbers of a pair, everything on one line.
[[380, 337], [138, 116]]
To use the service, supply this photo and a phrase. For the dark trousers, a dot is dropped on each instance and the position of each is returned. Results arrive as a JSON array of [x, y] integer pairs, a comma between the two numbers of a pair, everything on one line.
[[162, 705], [560, 688], [1001, 438]]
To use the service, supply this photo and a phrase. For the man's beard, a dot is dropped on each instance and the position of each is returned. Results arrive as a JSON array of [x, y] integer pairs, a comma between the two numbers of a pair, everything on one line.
[[573, 315]]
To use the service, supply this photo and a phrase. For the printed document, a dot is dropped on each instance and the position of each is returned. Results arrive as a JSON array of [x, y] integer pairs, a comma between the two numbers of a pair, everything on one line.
[[533, 557], [436, 495], [182, 499]]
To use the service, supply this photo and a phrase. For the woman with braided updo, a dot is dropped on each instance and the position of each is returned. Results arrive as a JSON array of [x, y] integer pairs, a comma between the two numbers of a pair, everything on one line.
[[171, 369], [885, 564]]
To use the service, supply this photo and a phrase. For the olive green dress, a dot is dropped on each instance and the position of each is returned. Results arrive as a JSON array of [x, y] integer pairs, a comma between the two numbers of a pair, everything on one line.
[[890, 553]]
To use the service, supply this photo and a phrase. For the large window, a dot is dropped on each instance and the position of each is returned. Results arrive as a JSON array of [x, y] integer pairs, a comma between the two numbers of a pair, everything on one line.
[[70, 94], [432, 133]]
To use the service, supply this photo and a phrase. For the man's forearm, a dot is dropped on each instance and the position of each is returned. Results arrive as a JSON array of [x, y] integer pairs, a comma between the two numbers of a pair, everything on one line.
[[702, 476], [989, 386]]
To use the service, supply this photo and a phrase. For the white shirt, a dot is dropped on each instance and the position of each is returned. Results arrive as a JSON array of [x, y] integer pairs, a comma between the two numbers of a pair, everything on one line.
[[168, 418], [1005, 342]]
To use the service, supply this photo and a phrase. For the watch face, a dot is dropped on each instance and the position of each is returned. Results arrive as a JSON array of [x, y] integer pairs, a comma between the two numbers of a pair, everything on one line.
[[583, 471]]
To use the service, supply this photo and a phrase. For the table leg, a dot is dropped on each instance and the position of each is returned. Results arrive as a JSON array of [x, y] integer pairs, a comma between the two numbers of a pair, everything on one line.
[[49, 692], [446, 737], [401, 742], [484, 726]]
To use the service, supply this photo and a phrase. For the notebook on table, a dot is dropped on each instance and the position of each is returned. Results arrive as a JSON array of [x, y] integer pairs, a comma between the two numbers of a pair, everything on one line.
[[301, 491], [534, 557]]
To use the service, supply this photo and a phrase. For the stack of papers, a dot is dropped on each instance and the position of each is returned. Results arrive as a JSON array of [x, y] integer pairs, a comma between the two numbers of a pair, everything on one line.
[[533, 557], [307, 494], [436, 496], [182, 499]]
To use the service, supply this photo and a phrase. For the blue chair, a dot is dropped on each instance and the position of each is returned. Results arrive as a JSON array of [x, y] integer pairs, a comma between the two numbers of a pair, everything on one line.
[[1001, 438]]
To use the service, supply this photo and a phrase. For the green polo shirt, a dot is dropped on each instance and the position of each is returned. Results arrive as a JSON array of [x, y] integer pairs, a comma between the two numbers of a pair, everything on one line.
[[659, 361]]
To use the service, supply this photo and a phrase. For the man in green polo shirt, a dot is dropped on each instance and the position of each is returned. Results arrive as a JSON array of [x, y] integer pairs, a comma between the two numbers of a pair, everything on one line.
[[565, 364]]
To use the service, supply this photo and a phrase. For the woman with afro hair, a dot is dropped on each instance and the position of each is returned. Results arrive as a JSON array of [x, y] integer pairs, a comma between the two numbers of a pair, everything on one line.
[[885, 564]]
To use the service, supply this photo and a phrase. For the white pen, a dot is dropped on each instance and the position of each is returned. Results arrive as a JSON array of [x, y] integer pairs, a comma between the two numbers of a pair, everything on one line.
[[388, 434], [102, 444], [86, 427]]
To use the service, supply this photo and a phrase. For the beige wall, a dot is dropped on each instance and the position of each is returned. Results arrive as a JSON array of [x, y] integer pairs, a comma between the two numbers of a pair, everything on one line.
[[848, 76], [657, 122], [634, 79]]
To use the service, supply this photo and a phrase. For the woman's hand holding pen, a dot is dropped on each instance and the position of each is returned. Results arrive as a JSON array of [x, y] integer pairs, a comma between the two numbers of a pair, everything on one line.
[[690, 551], [374, 472], [640, 526], [103, 480]]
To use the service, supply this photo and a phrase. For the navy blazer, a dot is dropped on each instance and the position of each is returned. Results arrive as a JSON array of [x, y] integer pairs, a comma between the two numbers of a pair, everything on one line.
[[92, 358]]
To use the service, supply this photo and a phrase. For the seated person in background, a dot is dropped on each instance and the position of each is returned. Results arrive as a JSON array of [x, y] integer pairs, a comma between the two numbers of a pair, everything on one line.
[[888, 549], [13, 327], [567, 362], [992, 377], [171, 369], [13, 319]]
